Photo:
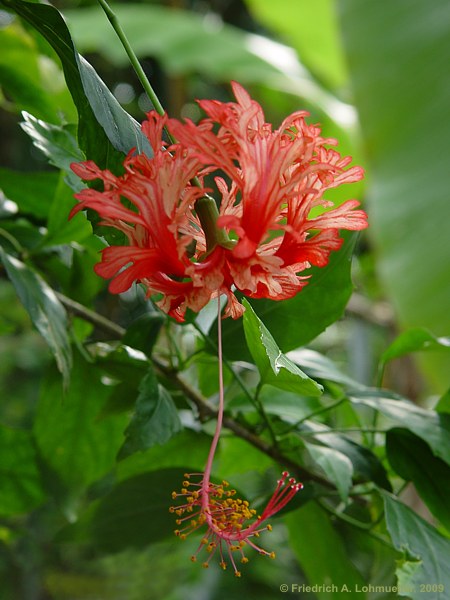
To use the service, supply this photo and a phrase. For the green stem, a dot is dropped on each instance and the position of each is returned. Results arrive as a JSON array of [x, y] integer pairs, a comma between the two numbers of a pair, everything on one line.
[[208, 213], [358, 524], [227, 363], [13, 241], [264, 416], [205, 207], [112, 17], [361, 430]]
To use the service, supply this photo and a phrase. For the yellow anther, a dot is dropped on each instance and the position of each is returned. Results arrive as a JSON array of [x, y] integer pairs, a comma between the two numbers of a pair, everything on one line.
[[223, 564], [205, 565], [244, 560], [272, 555], [174, 495], [237, 573], [269, 527], [194, 558], [186, 484]]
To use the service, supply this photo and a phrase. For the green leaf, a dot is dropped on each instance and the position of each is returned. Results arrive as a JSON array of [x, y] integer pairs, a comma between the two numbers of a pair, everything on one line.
[[321, 553], [122, 130], [318, 366], [423, 572], [337, 467], [190, 443], [134, 514], [33, 82], [432, 427], [21, 481], [56, 143], [143, 332], [155, 419], [119, 361], [274, 367], [365, 464], [103, 124], [46, 311], [413, 460], [408, 195], [414, 340], [287, 405], [444, 403], [299, 320], [312, 29], [32, 193], [61, 230], [74, 442]]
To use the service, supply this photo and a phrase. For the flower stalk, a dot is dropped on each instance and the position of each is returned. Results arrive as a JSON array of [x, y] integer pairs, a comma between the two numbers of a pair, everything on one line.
[[230, 523]]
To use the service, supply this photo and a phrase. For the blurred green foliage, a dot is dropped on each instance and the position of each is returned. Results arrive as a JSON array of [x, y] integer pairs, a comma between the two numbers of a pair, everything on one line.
[[98, 419]]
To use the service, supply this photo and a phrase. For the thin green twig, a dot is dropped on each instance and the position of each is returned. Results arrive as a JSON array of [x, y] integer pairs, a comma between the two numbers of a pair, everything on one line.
[[112, 17], [367, 527]]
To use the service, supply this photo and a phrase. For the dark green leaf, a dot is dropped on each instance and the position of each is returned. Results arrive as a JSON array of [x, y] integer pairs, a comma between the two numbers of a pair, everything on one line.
[[134, 514], [155, 419], [61, 230], [321, 553], [423, 572], [46, 311], [32, 193], [103, 124], [119, 361], [301, 319], [74, 442], [274, 367], [190, 443], [432, 427], [21, 482], [143, 332], [413, 460]]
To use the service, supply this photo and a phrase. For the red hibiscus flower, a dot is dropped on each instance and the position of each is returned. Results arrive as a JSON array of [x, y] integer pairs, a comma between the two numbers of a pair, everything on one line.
[[263, 238]]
